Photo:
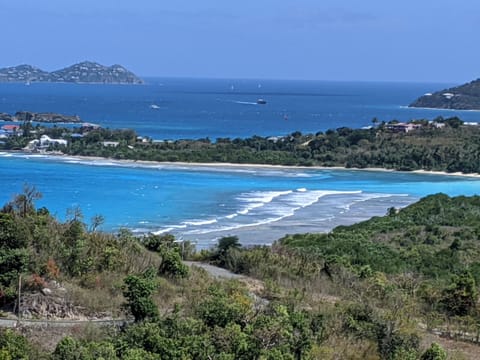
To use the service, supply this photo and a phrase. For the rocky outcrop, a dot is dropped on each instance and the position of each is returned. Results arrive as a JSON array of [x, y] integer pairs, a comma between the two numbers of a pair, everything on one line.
[[6, 117], [464, 97], [49, 302], [40, 117], [84, 72], [45, 117]]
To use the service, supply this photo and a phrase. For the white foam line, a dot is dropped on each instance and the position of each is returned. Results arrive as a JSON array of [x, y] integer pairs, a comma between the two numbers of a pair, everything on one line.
[[163, 231], [140, 231], [367, 197], [289, 213], [168, 229], [259, 199], [200, 222]]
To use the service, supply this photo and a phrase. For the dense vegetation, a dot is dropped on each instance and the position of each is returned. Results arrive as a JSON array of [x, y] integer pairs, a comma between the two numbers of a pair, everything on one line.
[[453, 148], [421, 263], [359, 292]]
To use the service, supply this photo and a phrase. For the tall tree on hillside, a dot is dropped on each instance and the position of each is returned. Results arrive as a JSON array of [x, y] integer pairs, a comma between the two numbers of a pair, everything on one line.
[[24, 203]]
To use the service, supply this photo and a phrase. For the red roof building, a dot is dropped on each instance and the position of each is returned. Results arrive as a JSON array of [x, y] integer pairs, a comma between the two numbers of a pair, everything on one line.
[[12, 128]]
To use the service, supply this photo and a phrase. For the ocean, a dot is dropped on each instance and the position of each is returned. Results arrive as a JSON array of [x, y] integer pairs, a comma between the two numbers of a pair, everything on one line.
[[202, 204], [195, 108]]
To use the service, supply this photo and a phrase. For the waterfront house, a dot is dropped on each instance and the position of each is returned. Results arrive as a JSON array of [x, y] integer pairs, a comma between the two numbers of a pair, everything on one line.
[[11, 129], [403, 127], [44, 142]]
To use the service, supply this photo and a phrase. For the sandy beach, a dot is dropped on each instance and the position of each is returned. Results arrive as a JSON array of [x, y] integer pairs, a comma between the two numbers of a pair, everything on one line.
[[260, 166], [148, 163]]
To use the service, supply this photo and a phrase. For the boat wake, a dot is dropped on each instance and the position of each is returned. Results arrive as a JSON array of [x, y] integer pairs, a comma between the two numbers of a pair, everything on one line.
[[245, 102]]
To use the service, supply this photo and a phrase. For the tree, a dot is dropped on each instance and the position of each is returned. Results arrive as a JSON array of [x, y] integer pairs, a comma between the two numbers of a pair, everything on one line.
[[97, 220], [172, 264], [13, 346], [461, 296], [138, 290], [10, 235], [226, 244], [454, 122], [138, 354], [221, 309], [68, 349], [74, 239], [156, 242], [24, 203], [434, 352]]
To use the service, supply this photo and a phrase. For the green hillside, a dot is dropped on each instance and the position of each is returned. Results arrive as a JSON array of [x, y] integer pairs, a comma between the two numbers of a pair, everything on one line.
[[463, 97]]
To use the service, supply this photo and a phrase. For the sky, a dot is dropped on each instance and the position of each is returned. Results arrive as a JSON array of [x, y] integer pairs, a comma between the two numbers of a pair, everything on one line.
[[344, 40]]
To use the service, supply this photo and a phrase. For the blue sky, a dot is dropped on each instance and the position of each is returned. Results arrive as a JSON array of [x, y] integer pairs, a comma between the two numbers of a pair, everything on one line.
[[368, 40]]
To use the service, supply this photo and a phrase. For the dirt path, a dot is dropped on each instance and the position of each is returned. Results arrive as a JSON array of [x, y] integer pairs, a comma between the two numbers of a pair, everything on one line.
[[215, 271], [255, 286]]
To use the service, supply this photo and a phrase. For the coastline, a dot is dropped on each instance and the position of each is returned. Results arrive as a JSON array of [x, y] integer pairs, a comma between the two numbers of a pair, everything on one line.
[[439, 109], [147, 163], [259, 166]]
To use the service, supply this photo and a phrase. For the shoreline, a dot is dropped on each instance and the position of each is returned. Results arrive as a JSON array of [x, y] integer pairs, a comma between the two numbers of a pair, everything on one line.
[[439, 109], [148, 163]]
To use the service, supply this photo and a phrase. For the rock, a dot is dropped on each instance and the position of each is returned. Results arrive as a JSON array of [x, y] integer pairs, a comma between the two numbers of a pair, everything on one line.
[[49, 303], [46, 291]]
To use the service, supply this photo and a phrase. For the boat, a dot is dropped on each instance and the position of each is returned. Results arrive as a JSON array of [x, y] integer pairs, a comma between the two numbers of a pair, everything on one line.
[[261, 101], [154, 106]]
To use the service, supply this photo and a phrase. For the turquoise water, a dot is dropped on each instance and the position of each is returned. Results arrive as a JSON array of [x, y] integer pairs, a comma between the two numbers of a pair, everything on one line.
[[203, 203]]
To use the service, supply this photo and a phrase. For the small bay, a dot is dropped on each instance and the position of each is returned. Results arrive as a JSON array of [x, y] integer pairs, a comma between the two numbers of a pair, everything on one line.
[[201, 203]]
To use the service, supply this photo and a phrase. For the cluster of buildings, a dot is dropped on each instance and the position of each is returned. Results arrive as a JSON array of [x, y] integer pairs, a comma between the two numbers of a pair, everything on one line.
[[407, 127], [45, 141], [10, 130], [7, 131]]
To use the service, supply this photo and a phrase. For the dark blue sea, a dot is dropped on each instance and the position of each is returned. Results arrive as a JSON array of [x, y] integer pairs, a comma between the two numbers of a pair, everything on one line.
[[203, 203], [194, 108]]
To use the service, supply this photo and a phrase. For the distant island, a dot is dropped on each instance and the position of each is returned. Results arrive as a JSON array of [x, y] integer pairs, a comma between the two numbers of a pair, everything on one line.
[[47, 117], [463, 97], [84, 72]]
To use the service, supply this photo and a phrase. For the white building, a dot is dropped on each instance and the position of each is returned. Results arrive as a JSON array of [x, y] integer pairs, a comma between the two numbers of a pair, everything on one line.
[[44, 142]]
